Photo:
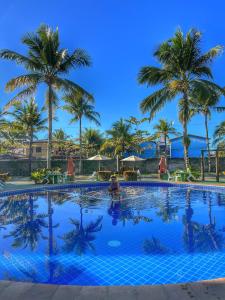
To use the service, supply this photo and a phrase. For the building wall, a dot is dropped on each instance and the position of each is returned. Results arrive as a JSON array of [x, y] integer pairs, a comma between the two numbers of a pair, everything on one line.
[[148, 151], [39, 150], [196, 145]]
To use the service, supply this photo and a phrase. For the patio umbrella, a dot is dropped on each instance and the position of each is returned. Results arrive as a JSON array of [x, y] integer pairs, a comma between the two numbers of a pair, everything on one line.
[[99, 158], [133, 158]]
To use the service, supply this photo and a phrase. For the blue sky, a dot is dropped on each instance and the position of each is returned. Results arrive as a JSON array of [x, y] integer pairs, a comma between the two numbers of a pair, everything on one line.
[[120, 36]]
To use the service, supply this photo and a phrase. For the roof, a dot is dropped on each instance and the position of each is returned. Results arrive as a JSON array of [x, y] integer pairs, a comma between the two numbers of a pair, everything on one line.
[[190, 136]]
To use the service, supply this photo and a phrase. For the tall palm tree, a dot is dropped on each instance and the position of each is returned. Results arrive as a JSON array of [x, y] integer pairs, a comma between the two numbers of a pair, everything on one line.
[[46, 62], [120, 138], [27, 118], [163, 130], [183, 68], [204, 102], [93, 140], [80, 107]]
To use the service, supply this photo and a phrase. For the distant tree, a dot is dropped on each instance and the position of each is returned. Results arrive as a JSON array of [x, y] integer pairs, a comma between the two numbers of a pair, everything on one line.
[[204, 102], [80, 107], [92, 140], [183, 69], [45, 63], [219, 135], [60, 135], [120, 138], [27, 118], [163, 130]]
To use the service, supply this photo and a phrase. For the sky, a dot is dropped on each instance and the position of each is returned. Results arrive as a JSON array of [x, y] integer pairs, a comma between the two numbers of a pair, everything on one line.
[[120, 36]]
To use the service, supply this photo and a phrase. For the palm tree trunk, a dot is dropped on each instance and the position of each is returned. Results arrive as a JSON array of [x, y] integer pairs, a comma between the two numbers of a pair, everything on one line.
[[207, 142], [185, 133], [49, 148], [165, 141], [30, 152], [185, 142], [80, 162]]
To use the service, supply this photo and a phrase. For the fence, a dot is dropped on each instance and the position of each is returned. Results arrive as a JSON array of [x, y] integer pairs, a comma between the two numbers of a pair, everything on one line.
[[215, 165], [19, 167]]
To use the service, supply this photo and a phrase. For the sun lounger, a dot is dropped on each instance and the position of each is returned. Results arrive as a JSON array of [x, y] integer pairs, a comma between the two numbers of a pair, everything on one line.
[[93, 177], [139, 176]]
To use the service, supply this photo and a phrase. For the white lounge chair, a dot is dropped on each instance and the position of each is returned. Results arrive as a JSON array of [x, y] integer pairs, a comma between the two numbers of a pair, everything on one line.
[[139, 176], [93, 177], [170, 177], [191, 176]]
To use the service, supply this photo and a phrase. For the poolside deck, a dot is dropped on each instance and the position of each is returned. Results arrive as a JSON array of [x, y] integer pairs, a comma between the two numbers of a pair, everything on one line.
[[205, 290]]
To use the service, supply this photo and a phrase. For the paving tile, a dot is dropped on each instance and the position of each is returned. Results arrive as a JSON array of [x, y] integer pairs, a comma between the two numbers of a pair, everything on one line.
[[67, 292], [214, 289], [153, 292], [121, 293], [16, 290], [40, 292], [93, 293]]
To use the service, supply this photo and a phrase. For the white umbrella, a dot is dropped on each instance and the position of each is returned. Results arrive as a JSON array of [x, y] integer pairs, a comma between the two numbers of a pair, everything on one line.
[[99, 158], [133, 158]]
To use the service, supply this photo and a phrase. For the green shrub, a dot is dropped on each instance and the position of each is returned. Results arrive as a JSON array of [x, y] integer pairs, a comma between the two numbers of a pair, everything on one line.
[[196, 173], [130, 175], [40, 175], [104, 175]]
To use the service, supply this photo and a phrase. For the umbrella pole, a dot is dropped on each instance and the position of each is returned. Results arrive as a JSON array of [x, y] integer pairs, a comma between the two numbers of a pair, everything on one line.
[[99, 166]]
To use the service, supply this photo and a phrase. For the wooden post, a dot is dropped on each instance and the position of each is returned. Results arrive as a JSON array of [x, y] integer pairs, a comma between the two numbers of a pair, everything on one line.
[[217, 167], [202, 166]]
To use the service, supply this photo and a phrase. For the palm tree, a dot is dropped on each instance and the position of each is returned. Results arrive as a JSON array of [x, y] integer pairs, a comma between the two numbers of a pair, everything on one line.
[[60, 136], [183, 68], [163, 130], [204, 102], [219, 134], [80, 107], [93, 140], [27, 118], [120, 138], [46, 63]]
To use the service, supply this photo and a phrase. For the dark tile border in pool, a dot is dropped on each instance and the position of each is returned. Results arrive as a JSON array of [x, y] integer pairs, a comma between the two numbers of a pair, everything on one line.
[[211, 188]]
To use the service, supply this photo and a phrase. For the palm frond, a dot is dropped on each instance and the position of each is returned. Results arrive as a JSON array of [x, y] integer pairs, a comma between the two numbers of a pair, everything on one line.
[[23, 80], [156, 101], [20, 96]]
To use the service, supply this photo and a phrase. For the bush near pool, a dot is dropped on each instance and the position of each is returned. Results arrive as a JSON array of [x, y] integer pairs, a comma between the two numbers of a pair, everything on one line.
[[104, 175], [130, 175]]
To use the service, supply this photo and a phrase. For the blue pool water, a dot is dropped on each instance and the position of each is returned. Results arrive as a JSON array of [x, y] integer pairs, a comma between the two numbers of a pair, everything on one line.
[[79, 236]]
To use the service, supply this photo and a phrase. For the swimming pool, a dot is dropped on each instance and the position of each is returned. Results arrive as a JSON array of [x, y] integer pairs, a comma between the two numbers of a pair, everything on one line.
[[156, 234]]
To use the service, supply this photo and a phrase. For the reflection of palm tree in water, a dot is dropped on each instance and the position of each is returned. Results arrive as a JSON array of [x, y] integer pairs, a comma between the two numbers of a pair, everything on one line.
[[200, 237], [81, 238], [166, 211], [189, 225], [28, 224], [55, 272]]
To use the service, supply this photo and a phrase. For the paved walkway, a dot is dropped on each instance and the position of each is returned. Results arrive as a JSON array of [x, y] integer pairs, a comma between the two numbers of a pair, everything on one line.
[[208, 290]]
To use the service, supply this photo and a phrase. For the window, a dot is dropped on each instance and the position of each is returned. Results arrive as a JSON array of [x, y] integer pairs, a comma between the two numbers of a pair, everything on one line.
[[38, 149]]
